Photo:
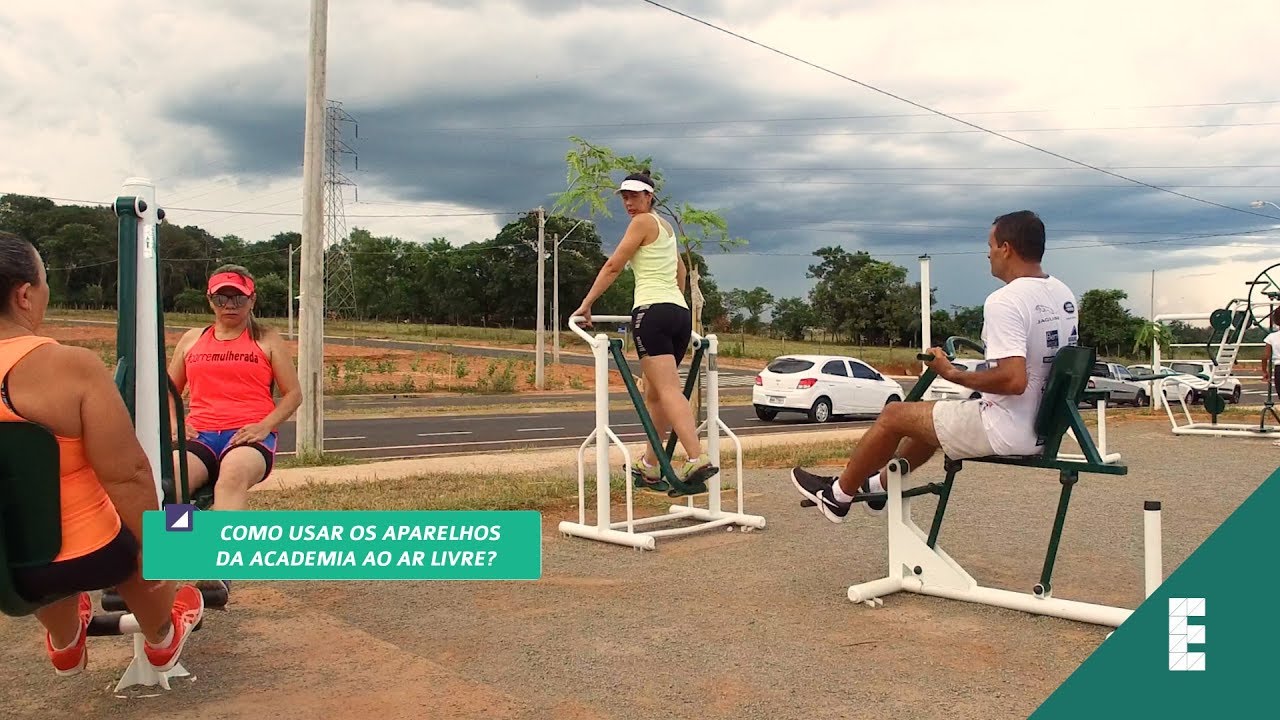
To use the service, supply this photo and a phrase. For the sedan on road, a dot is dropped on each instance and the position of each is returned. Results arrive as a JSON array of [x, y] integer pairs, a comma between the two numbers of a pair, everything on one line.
[[822, 387]]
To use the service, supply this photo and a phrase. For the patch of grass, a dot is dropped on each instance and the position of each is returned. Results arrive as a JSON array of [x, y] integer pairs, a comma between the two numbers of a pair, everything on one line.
[[789, 455], [314, 460], [487, 491]]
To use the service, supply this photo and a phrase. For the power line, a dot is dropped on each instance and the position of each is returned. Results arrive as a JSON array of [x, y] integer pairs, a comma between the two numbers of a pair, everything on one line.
[[827, 118], [952, 117], [850, 133], [1055, 248]]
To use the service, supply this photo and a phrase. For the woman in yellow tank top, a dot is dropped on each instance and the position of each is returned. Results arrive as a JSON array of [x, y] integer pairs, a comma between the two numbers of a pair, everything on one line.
[[106, 481], [661, 324]]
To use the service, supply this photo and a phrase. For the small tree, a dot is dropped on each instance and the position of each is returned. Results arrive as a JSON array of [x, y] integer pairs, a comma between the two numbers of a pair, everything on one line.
[[1151, 332], [590, 186]]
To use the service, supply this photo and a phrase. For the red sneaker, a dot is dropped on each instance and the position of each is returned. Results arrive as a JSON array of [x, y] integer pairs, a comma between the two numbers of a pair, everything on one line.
[[70, 661], [188, 610]]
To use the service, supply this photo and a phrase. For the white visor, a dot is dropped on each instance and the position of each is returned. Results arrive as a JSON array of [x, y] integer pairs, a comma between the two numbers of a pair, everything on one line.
[[636, 185]]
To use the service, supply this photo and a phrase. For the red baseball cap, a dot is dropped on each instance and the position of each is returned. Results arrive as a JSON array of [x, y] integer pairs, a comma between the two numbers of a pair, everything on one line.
[[231, 280]]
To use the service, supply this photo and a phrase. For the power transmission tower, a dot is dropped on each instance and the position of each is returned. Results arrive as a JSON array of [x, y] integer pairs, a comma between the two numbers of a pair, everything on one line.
[[340, 290]]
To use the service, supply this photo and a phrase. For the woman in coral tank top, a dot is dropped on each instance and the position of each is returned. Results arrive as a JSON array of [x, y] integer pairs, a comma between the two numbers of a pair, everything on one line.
[[230, 369], [105, 480]]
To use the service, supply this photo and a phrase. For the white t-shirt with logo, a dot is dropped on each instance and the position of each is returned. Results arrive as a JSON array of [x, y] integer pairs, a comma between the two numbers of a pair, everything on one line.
[[1274, 341], [1030, 318]]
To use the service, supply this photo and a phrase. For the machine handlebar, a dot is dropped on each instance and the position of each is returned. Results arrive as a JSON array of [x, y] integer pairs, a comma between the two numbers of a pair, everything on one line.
[[950, 346]]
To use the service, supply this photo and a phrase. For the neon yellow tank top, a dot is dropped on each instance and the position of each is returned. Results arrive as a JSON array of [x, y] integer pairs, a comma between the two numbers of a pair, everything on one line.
[[654, 266]]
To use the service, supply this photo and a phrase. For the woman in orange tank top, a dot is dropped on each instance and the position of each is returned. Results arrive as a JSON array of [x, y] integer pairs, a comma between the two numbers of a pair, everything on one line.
[[105, 483], [230, 369]]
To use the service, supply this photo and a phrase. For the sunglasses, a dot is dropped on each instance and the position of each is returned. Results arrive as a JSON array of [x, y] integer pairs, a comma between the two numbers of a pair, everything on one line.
[[234, 301]]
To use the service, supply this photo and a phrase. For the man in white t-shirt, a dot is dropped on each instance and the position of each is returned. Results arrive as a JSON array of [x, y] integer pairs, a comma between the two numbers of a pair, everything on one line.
[[1025, 322], [1271, 355]]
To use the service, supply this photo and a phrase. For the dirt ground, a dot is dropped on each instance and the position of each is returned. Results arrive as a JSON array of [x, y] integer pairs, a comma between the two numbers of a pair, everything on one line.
[[717, 625], [351, 369]]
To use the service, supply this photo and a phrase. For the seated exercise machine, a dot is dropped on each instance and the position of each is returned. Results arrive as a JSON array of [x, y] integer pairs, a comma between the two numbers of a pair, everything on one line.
[[918, 564], [712, 516], [30, 487]]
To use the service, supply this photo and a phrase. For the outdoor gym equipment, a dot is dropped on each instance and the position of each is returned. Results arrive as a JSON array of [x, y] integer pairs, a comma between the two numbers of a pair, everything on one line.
[[604, 348], [1232, 322], [30, 490], [916, 562]]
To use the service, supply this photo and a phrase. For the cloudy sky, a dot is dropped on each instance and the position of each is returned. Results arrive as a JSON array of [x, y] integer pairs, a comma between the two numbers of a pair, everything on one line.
[[464, 108]]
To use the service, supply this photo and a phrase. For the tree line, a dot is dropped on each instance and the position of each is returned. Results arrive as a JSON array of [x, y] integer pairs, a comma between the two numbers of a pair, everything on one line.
[[855, 299]]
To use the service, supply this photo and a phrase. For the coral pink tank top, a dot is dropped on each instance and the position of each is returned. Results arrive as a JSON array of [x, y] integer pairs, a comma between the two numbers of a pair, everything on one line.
[[230, 382], [89, 518]]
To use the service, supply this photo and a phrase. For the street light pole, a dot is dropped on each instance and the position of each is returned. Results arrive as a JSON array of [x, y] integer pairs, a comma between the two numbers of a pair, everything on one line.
[[555, 288]]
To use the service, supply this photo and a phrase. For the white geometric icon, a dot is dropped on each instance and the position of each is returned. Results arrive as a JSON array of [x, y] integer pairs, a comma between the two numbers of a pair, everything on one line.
[[1182, 634], [182, 523]]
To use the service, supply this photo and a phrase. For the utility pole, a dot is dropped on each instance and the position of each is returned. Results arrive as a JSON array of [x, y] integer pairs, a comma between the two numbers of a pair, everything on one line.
[[555, 298], [555, 288], [542, 298], [310, 419], [926, 311], [289, 297]]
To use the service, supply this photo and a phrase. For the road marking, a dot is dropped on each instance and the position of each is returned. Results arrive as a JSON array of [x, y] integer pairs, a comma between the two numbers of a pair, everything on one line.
[[349, 437], [578, 438], [485, 418], [455, 432], [546, 429]]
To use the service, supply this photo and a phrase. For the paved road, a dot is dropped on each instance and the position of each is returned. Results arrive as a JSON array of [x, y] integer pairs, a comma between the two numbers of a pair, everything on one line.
[[446, 435]]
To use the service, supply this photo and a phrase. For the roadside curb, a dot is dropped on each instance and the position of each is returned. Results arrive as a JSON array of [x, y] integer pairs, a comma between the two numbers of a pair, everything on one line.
[[555, 460]]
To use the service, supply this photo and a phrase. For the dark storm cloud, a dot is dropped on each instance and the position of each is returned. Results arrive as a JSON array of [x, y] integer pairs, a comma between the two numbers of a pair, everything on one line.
[[788, 187]]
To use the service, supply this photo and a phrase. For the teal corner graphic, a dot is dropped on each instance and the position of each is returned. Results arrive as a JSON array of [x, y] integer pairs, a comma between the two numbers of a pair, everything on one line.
[[1204, 643]]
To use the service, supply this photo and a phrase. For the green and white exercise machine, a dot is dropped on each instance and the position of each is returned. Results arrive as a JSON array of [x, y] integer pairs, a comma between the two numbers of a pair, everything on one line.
[[30, 488], [630, 532], [917, 563], [1228, 326]]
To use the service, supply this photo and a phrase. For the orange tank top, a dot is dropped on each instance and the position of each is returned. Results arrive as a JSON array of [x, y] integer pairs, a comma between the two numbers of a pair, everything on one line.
[[230, 382], [89, 518]]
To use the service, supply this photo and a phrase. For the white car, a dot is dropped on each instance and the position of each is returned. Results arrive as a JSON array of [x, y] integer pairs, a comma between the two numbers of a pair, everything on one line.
[[941, 389], [1172, 390], [822, 386]]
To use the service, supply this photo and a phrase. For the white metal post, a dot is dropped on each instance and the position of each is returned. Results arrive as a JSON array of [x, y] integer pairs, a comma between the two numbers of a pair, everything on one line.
[[147, 405], [1154, 565], [601, 352], [713, 425]]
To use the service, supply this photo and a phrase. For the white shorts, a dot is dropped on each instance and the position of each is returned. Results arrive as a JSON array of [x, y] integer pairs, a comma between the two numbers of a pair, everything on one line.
[[958, 424]]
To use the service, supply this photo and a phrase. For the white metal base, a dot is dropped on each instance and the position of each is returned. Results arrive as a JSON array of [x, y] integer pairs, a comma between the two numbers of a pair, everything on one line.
[[140, 671], [626, 532], [915, 567], [1192, 427]]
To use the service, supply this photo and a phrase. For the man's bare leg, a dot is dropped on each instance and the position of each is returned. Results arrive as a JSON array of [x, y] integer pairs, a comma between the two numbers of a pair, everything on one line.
[[912, 422], [903, 429]]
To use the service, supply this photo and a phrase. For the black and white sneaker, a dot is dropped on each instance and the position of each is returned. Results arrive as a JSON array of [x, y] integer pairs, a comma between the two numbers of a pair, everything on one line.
[[818, 489]]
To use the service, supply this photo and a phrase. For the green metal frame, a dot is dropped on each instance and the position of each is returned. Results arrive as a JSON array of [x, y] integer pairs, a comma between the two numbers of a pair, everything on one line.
[[675, 486], [1059, 411]]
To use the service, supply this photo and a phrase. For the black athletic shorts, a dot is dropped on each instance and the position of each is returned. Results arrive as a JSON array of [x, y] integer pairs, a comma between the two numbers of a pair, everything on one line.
[[662, 329], [105, 567]]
